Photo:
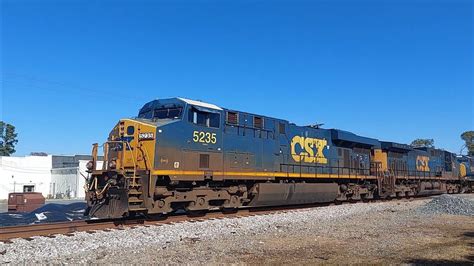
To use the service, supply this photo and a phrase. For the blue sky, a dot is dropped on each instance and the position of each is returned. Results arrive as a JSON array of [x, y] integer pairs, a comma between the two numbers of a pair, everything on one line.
[[393, 70]]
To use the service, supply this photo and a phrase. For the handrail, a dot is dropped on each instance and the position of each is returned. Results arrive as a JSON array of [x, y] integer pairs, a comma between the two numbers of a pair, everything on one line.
[[134, 165], [95, 146], [340, 170], [125, 145], [146, 157]]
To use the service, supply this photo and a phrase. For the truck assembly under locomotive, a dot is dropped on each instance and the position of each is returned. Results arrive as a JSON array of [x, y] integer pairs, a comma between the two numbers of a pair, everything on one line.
[[184, 154]]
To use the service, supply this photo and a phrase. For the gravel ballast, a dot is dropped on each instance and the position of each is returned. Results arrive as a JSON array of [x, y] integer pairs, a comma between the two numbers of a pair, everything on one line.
[[449, 204], [385, 230]]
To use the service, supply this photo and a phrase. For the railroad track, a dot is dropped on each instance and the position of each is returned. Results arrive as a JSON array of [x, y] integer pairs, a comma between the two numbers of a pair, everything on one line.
[[68, 228], [8, 233]]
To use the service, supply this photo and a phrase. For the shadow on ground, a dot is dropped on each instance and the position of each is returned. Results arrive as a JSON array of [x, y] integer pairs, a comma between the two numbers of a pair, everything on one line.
[[468, 260]]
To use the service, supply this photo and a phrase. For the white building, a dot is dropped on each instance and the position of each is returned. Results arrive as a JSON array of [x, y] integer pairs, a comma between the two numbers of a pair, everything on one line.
[[68, 182], [53, 176], [23, 174]]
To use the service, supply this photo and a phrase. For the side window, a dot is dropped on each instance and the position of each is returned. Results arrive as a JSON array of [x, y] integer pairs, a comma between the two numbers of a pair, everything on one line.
[[257, 122], [28, 188], [281, 128], [232, 118], [202, 118]]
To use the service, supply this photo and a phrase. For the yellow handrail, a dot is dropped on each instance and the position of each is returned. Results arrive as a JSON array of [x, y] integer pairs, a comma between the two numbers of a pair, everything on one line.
[[134, 184]]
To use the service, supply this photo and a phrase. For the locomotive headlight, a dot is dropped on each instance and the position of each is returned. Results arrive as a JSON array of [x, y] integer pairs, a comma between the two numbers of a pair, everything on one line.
[[89, 165], [112, 164]]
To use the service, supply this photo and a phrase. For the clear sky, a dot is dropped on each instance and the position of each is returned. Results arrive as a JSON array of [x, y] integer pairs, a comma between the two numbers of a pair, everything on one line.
[[394, 70]]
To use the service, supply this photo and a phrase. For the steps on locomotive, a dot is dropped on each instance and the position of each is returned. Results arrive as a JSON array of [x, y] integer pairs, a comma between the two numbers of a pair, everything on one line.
[[135, 201], [135, 209], [134, 192], [133, 179]]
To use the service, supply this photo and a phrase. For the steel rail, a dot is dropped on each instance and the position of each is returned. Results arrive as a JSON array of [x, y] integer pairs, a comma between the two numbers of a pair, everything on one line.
[[48, 229]]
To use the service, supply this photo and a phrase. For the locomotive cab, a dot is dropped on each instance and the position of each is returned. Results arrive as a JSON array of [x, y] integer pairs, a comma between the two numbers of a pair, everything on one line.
[[141, 151], [118, 187]]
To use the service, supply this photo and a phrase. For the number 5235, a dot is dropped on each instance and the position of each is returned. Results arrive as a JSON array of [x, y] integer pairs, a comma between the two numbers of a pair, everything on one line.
[[204, 137]]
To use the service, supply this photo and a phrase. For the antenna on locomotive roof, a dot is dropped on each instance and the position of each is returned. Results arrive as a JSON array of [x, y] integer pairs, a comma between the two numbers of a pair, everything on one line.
[[317, 126], [464, 146]]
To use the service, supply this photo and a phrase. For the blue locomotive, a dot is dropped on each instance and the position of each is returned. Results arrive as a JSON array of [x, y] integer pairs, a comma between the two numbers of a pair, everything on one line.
[[184, 154]]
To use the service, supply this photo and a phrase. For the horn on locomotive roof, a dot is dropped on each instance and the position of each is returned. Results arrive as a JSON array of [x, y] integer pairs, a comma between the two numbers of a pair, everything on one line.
[[317, 126]]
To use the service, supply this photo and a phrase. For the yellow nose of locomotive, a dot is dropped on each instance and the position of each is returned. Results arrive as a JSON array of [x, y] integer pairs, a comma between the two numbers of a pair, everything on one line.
[[117, 189], [131, 145]]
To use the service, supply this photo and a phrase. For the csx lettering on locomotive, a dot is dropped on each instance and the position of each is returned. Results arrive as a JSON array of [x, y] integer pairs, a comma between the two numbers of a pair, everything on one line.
[[308, 150], [422, 163]]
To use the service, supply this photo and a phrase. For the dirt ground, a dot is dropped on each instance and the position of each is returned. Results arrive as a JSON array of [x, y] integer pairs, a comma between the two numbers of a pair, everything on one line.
[[396, 234], [391, 237], [444, 240]]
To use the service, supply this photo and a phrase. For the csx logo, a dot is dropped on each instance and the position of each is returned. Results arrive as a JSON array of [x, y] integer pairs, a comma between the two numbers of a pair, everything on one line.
[[422, 163], [308, 150]]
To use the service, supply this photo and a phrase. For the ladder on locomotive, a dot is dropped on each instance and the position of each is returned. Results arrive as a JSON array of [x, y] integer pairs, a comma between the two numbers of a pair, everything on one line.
[[132, 178], [135, 190], [135, 184], [385, 180]]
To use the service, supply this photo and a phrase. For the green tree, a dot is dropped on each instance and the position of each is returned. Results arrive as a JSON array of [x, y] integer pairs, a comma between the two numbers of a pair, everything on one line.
[[7, 139], [468, 137], [420, 143]]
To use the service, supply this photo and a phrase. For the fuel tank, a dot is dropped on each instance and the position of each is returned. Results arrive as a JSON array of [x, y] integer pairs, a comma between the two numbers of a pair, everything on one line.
[[268, 194]]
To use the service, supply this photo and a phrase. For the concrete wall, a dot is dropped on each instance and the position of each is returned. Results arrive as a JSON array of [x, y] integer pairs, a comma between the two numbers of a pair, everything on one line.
[[16, 173], [64, 182], [68, 182]]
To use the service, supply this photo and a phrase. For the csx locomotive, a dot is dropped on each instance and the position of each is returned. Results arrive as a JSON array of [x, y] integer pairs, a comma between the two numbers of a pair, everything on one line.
[[181, 154]]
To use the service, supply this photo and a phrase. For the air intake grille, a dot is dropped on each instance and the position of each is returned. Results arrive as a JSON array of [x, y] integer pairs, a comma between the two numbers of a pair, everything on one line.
[[232, 118], [204, 161], [258, 122]]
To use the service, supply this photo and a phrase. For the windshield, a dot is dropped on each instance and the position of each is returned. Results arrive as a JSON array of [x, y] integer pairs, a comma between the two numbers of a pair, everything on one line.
[[162, 113]]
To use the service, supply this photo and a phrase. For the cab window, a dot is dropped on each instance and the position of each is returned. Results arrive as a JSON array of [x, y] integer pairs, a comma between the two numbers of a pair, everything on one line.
[[170, 113], [146, 114], [203, 117], [161, 113]]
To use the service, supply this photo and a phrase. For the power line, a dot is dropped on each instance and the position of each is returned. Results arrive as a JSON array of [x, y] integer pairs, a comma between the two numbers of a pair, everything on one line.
[[9, 78]]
